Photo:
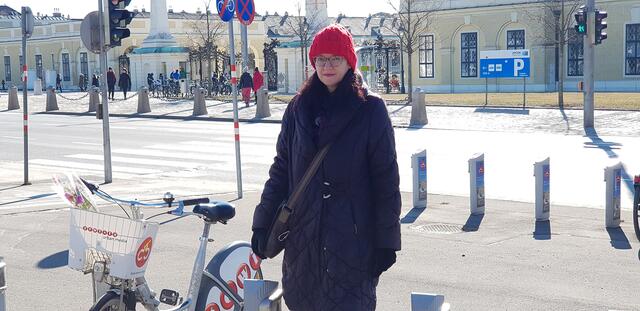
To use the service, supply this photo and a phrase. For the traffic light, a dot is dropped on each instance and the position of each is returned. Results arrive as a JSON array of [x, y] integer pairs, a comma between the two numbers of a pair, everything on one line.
[[119, 18], [581, 21], [601, 25]]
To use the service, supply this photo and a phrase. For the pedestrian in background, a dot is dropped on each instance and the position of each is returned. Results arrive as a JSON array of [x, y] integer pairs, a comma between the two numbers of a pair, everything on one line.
[[94, 81], [346, 230], [258, 80], [81, 82], [124, 82], [58, 83], [246, 84], [111, 83]]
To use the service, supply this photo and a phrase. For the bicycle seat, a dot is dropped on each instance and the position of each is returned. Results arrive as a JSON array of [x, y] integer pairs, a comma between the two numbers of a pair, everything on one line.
[[218, 211]]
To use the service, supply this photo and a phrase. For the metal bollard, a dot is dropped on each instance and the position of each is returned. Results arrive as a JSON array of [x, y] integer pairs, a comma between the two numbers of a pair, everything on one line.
[[37, 87], [52, 101], [3, 284], [199, 104], [418, 109], [476, 183], [612, 178], [542, 173], [419, 168], [94, 99], [262, 106], [13, 98], [143, 100], [262, 295], [428, 302]]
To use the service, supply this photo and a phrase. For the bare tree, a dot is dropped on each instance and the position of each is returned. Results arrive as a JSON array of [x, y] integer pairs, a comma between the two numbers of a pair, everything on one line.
[[415, 17], [303, 29], [556, 21], [206, 31]]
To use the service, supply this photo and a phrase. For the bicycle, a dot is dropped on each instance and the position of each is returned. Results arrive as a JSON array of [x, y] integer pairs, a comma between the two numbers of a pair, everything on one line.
[[636, 205], [116, 251]]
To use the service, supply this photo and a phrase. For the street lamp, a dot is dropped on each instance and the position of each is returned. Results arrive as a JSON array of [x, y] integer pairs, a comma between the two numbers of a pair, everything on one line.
[[401, 31]]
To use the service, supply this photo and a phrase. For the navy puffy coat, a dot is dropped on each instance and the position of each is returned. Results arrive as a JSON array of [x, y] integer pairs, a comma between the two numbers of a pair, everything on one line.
[[350, 207]]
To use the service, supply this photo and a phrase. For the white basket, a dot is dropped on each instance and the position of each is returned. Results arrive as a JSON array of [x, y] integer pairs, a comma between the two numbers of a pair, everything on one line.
[[123, 244]]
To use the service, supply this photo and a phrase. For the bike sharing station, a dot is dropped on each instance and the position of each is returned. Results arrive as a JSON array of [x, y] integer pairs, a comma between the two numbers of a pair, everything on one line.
[[505, 64], [612, 178], [419, 169], [476, 184], [542, 174]]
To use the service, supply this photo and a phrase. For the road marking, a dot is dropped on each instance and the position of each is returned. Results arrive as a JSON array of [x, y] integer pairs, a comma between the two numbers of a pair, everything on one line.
[[88, 144], [153, 162], [18, 205], [92, 167]]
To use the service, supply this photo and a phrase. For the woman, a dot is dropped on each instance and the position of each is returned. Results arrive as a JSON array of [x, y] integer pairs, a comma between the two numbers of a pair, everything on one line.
[[258, 80], [346, 230], [124, 82], [246, 83]]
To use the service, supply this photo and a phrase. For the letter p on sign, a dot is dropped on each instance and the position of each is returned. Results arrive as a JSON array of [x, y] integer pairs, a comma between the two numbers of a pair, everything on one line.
[[518, 64]]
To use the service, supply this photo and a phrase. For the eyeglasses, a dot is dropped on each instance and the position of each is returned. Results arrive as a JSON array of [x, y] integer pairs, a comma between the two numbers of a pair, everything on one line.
[[333, 61]]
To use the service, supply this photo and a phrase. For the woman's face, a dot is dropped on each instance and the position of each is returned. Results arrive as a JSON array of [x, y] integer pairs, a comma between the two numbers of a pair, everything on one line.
[[331, 69]]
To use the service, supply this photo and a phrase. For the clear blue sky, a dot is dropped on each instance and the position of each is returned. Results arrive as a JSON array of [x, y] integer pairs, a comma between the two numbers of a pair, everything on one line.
[[79, 8]]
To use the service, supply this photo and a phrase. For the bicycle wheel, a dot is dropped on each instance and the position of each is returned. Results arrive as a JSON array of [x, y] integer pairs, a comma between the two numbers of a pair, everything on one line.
[[110, 301], [636, 211]]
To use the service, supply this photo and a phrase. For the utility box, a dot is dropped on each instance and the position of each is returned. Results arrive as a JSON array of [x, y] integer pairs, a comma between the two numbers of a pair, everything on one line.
[[476, 184], [542, 173], [613, 178], [419, 168]]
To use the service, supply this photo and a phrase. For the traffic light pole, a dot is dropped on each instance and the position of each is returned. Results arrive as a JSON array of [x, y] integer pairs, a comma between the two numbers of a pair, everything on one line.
[[106, 140], [589, 64]]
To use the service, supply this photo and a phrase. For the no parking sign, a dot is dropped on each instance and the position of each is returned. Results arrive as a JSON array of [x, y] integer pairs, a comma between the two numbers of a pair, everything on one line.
[[226, 8], [245, 11]]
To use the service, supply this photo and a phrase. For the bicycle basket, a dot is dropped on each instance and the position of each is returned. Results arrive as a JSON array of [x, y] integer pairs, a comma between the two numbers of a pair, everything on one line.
[[123, 244]]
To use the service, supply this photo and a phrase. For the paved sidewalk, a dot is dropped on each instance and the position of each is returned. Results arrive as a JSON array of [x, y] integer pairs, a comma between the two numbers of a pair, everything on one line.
[[568, 122]]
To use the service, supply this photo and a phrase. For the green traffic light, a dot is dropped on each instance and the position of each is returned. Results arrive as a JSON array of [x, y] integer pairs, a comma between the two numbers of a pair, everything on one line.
[[581, 29]]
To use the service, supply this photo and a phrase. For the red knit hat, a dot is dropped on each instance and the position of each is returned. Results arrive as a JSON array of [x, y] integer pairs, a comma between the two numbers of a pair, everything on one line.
[[334, 39]]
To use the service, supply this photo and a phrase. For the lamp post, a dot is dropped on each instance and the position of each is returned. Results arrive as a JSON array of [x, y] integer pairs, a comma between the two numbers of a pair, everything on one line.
[[402, 89]]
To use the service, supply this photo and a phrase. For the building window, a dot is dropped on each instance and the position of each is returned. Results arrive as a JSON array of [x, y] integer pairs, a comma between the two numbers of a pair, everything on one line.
[[7, 68], [469, 54], [84, 64], [39, 72], [515, 40], [575, 59], [632, 54], [426, 56], [65, 67]]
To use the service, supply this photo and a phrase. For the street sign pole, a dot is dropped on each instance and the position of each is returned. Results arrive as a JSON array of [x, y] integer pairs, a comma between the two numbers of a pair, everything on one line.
[[106, 140], [245, 48], [589, 62], [27, 29], [236, 125]]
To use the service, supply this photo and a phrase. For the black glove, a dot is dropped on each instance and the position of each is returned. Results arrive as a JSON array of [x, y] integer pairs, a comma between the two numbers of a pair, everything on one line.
[[259, 242], [383, 259]]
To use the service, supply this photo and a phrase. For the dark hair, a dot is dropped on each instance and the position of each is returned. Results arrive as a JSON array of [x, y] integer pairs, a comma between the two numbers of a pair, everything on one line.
[[350, 86], [256, 69]]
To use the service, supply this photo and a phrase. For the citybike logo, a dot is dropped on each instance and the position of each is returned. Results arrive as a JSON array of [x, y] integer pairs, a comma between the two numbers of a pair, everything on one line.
[[142, 255], [100, 231], [244, 271]]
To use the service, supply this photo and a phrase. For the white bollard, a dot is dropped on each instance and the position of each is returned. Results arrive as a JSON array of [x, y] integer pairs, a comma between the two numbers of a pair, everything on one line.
[[613, 178], [262, 295], [37, 87], [542, 173], [143, 100], [418, 108], [428, 302], [262, 106], [3, 284], [199, 104], [94, 99], [13, 98], [52, 101], [476, 183], [419, 168]]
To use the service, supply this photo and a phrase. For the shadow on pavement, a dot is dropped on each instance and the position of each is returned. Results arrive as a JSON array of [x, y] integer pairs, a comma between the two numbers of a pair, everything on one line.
[[57, 260], [473, 223], [503, 110], [11, 187], [597, 142], [618, 238], [543, 230], [34, 197], [412, 215]]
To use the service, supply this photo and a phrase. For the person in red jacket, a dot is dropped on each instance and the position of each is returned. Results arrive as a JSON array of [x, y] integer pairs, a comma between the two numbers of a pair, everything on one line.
[[258, 80]]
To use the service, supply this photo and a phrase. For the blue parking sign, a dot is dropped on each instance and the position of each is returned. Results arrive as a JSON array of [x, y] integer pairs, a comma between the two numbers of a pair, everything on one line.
[[505, 64]]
